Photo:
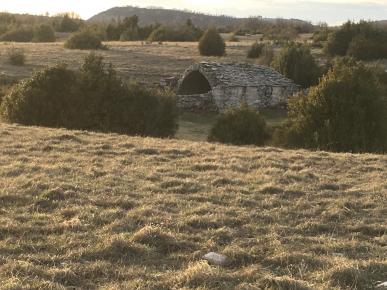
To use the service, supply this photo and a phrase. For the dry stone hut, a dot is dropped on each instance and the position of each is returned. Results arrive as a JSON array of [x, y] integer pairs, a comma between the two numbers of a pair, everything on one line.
[[210, 86]]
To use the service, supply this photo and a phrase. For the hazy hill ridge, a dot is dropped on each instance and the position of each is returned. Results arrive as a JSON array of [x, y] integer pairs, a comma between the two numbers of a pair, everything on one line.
[[172, 17]]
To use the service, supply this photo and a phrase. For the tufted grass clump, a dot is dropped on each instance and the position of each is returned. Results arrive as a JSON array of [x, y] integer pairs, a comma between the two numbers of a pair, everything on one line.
[[156, 237]]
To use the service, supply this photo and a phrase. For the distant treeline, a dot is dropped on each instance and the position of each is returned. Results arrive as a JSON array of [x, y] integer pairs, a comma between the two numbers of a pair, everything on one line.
[[24, 28], [27, 28]]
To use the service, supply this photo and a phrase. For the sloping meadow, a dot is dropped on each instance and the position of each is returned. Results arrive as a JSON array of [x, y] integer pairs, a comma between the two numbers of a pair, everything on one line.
[[90, 210]]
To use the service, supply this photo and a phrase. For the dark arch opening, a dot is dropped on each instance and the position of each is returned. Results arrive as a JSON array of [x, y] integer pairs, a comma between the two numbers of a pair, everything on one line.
[[194, 83]]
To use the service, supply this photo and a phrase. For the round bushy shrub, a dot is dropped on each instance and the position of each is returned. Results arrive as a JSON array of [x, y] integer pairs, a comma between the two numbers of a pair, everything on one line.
[[212, 43], [240, 126], [346, 112], [255, 50], [296, 62], [43, 100], [94, 98], [44, 33], [84, 40]]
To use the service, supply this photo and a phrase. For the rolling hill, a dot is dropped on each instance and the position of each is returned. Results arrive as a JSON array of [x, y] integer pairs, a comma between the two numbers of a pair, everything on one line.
[[172, 17], [86, 210]]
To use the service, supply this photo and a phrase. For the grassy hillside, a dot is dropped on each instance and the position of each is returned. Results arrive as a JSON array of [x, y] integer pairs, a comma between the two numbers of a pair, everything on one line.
[[163, 16], [149, 16], [93, 210]]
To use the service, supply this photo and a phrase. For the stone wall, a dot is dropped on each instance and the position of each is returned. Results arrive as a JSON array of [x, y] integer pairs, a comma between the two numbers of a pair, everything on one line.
[[197, 103], [257, 97], [232, 84]]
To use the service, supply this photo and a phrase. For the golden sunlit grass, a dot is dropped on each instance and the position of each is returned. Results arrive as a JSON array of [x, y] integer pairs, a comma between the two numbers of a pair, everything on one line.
[[88, 210]]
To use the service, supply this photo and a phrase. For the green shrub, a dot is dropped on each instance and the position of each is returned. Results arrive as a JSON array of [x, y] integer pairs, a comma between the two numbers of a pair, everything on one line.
[[94, 98], [84, 40], [255, 50], [363, 48], [240, 126], [212, 44], [362, 40], [346, 112], [19, 34], [296, 62], [42, 100], [16, 56], [44, 33], [181, 34]]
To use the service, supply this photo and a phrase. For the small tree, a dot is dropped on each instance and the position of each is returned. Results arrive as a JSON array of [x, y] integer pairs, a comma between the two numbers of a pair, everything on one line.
[[240, 126], [346, 112], [297, 63], [212, 43], [44, 33]]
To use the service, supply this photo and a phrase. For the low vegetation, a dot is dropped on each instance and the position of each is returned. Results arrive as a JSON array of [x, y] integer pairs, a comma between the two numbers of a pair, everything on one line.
[[85, 40], [16, 56], [44, 33], [346, 112], [267, 55], [296, 62], [212, 44], [255, 50], [181, 34], [67, 22], [363, 40], [20, 34], [240, 126], [94, 98], [87, 210], [33, 28]]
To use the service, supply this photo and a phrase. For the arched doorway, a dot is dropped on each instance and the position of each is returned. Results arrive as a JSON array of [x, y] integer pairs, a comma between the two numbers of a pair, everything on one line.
[[194, 83]]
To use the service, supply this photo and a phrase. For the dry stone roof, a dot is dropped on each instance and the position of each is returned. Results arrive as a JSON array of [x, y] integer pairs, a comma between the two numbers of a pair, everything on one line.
[[240, 74]]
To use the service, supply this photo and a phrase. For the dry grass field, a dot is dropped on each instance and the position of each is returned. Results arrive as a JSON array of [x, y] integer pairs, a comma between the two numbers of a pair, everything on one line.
[[82, 210], [147, 63]]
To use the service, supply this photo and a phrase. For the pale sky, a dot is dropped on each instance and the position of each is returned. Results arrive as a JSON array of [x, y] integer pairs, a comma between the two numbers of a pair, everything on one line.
[[331, 11]]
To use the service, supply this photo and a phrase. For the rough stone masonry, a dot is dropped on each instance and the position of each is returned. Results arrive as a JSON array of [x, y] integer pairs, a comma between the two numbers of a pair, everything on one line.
[[211, 86]]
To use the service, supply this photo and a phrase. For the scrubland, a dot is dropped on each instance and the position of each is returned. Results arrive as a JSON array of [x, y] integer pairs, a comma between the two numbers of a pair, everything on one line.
[[86, 210]]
